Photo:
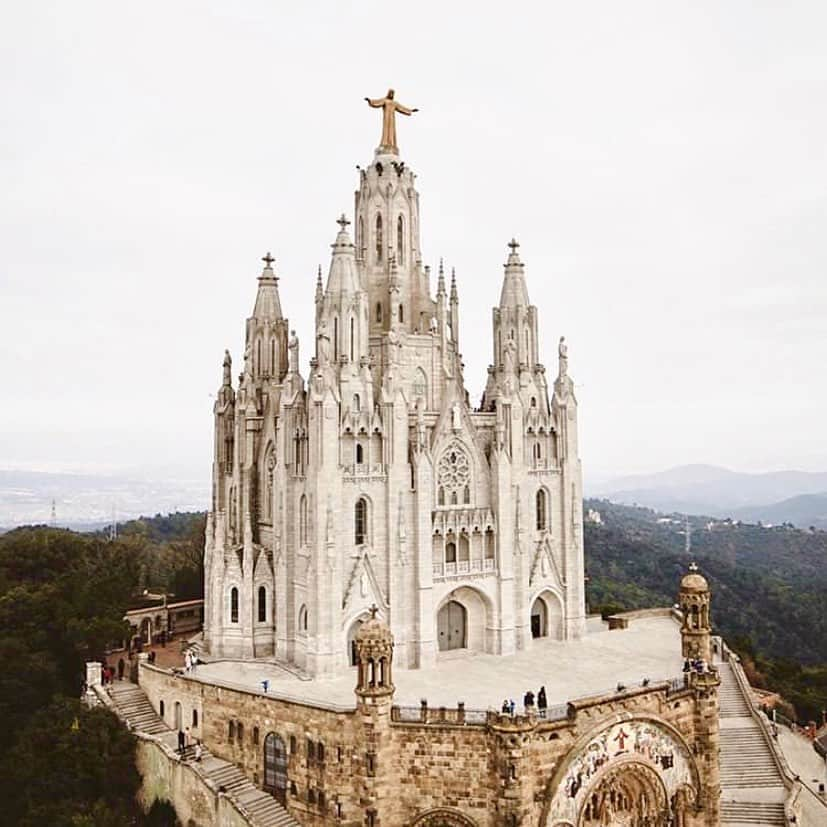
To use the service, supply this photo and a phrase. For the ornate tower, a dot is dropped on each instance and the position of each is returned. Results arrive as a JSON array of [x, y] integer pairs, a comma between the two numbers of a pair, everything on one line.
[[696, 628], [378, 483]]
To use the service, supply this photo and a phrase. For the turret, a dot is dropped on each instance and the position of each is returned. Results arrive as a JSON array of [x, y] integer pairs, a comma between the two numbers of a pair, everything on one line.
[[454, 309], [515, 320], [696, 629], [265, 355], [343, 309]]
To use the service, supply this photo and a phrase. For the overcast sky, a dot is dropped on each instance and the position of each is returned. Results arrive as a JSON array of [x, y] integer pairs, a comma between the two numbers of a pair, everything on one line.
[[663, 165]]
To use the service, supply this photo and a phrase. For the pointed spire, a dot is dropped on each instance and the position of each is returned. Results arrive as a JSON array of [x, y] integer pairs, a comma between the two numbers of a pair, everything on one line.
[[268, 304], [454, 294], [319, 288], [440, 284], [228, 369], [343, 276], [514, 292]]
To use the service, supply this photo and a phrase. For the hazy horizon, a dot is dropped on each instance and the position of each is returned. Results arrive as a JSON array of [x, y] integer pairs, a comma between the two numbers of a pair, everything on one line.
[[664, 169]]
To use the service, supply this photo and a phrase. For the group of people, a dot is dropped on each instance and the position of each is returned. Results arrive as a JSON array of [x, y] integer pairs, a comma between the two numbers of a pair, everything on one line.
[[530, 702], [184, 742], [190, 661], [695, 665]]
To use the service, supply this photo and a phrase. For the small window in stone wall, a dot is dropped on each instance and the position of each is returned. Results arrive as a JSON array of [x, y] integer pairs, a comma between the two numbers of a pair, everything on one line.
[[321, 801], [255, 734], [161, 708], [311, 796], [293, 790], [195, 717], [293, 745], [370, 763], [311, 751], [370, 818], [231, 731], [339, 754], [240, 728], [320, 752], [338, 809]]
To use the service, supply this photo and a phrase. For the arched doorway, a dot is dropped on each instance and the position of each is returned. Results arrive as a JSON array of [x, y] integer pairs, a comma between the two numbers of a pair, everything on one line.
[[631, 795], [146, 630], [452, 626], [275, 766], [179, 718], [539, 618]]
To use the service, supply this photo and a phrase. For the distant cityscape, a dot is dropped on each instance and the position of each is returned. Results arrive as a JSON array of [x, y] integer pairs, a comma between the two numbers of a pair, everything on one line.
[[88, 501]]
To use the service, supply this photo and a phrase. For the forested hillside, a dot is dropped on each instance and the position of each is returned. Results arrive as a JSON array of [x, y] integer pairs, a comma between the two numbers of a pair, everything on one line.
[[62, 601], [769, 587]]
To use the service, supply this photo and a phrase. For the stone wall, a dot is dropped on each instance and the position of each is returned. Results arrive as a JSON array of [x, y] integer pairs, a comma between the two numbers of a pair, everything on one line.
[[165, 778], [385, 768]]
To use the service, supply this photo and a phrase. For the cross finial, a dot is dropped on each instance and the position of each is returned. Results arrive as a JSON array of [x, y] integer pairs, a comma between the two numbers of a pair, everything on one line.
[[374, 609], [342, 221], [268, 260], [513, 244], [693, 566]]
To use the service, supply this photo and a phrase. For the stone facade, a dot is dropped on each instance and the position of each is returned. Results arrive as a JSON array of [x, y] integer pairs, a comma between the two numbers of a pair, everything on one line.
[[636, 753], [376, 482]]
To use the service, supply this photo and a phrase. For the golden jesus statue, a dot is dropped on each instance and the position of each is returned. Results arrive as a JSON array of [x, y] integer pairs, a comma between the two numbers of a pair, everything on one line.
[[389, 109]]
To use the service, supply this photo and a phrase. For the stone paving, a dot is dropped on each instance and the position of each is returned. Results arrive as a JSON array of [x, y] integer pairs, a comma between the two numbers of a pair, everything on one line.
[[805, 762], [649, 648]]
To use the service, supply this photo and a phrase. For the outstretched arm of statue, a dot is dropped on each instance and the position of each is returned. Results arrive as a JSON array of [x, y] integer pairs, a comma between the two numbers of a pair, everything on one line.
[[404, 109], [376, 103]]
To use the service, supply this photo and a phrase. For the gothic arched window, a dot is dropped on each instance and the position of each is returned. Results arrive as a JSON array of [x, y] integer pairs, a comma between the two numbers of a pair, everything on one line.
[[303, 619], [542, 508], [262, 604], [233, 605], [360, 455], [401, 312], [379, 312], [400, 240], [378, 238], [336, 339], [360, 521], [357, 403], [352, 337], [451, 552]]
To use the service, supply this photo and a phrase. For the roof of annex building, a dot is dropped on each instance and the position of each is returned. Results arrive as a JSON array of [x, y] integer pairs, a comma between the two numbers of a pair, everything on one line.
[[650, 648]]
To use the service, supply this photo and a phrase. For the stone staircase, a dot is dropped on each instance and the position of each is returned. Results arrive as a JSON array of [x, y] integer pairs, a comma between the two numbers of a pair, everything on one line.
[[260, 809], [753, 791], [134, 706]]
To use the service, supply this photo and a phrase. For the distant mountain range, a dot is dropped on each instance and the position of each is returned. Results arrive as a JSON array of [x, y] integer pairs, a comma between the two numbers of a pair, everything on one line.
[[798, 497]]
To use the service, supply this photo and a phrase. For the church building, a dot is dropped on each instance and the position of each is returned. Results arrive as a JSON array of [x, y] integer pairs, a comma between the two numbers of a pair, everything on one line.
[[371, 479]]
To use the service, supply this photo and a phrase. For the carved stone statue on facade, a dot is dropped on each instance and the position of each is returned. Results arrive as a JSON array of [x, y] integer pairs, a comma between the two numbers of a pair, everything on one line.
[[456, 417], [563, 354], [293, 352], [323, 345]]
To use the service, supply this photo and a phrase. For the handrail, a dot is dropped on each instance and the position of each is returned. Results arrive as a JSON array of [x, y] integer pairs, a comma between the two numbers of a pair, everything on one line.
[[788, 777]]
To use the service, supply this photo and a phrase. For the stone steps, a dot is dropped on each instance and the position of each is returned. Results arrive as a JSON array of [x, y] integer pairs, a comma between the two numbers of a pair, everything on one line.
[[263, 810], [134, 706], [752, 814], [747, 766]]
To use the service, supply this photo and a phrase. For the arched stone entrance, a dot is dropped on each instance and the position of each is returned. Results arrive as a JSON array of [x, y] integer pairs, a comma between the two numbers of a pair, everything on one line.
[[546, 617], [146, 630], [635, 772], [539, 618], [443, 817], [275, 766], [452, 626], [630, 794]]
